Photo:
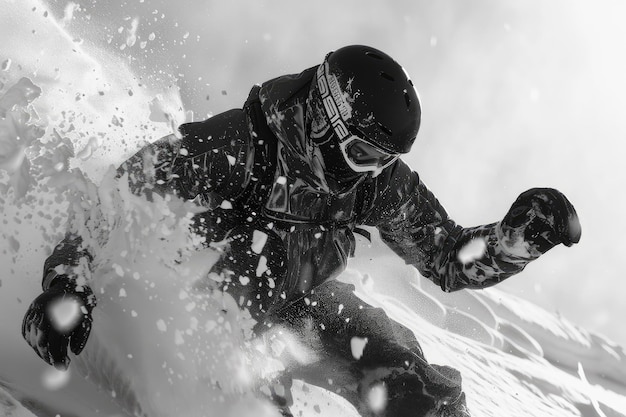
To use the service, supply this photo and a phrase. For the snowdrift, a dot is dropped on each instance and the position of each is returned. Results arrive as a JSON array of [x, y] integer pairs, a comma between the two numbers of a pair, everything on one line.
[[164, 345]]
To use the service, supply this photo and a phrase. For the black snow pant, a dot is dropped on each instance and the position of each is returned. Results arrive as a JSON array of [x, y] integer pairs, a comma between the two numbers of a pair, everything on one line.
[[358, 352]]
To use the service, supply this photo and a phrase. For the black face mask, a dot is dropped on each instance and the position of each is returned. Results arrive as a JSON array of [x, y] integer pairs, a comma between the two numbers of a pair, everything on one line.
[[321, 133], [335, 164]]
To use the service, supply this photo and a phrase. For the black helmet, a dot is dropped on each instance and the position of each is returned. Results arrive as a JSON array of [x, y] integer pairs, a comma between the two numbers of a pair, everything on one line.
[[374, 97]]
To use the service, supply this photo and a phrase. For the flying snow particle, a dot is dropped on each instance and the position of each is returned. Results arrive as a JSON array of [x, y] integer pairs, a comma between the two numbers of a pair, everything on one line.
[[266, 390], [54, 379], [259, 239], [262, 266], [161, 325], [178, 338], [231, 160], [279, 389], [209, 326], [472, 250], [65, 313], [226, 205], [357, 345], [131, 34], [244, 280], [118, 270], [377, 398]]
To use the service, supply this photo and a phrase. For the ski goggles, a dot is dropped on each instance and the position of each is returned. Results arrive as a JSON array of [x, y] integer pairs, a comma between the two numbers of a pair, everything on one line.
[[359, 154], [363, 156]]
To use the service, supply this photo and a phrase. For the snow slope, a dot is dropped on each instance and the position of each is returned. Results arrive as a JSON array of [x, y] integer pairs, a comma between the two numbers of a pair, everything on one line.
[[161, 344], [515, 358]]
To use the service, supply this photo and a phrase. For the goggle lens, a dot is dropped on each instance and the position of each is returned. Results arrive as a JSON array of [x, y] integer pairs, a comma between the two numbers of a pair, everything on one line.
[[363, 156], [362, 153]]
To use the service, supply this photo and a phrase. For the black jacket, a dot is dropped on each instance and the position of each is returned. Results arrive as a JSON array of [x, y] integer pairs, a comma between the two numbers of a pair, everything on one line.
[[257, 166]]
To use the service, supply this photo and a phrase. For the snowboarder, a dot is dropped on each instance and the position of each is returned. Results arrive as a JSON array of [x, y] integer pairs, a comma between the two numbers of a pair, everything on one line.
[[306, 161]]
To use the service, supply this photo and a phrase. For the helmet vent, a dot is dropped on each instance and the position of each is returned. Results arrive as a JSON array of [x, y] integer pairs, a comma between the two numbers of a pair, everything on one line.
[[386, 76], [374, 55], [384, 128]]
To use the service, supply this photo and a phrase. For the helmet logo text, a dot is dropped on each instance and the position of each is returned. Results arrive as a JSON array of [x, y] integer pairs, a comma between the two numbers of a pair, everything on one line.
[[336, 106]]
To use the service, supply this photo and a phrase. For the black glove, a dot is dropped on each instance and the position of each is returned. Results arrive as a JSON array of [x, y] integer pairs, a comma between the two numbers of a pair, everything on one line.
[[544, 217], [46, 337]]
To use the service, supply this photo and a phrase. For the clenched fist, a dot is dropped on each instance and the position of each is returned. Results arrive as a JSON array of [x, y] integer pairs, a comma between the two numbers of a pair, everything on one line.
[[50, 332], [538, 220]]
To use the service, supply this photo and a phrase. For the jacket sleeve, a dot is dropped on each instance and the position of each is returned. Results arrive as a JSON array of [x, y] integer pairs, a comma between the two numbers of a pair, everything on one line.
[[415, 225], [211, 162]]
